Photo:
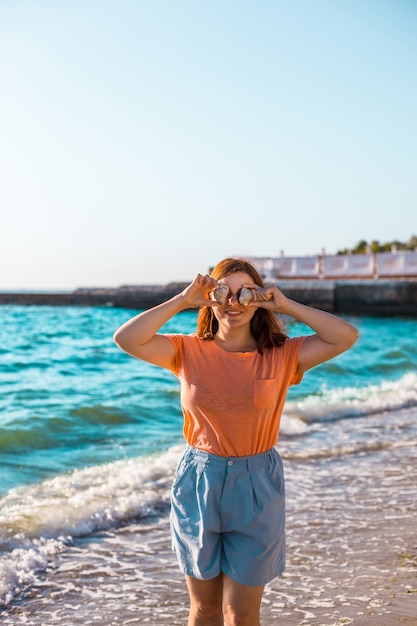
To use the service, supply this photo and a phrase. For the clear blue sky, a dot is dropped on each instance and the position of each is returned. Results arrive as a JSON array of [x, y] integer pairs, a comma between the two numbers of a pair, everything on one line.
[[141, 141]]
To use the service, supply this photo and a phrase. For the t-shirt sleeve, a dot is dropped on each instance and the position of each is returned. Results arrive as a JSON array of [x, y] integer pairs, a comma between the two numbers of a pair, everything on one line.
[[293, 346], [177, 341]]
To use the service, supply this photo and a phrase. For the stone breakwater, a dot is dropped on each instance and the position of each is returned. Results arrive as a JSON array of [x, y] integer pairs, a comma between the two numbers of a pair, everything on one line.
[[355, 297]]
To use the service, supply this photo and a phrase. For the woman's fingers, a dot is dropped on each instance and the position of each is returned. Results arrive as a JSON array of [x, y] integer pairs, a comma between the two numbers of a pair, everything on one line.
[[198, 293]]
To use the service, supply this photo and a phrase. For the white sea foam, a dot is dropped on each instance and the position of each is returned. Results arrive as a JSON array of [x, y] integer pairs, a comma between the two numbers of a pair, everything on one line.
[[19, 567], [37, 521], [343, 402]]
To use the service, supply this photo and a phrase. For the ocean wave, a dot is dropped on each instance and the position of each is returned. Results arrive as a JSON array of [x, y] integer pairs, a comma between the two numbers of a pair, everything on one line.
[[340, 403], [76, 426], [346, 450], [37, 521]]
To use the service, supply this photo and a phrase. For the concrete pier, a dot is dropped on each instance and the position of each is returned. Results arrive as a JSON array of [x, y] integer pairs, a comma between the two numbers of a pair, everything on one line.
[[380, 297], [353, 297]]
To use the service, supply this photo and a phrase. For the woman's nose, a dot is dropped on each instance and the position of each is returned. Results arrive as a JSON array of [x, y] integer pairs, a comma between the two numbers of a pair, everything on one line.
[[233, 298]]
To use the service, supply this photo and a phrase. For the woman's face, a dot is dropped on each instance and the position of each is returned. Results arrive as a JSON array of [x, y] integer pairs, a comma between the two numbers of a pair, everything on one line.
[[232, 314]]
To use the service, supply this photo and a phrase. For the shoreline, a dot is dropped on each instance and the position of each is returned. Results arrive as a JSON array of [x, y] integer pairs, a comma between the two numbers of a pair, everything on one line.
[[351, 556], [379, 297]]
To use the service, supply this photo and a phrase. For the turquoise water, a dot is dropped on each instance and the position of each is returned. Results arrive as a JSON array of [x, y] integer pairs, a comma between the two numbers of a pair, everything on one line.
[[69, 398], [89, 437]]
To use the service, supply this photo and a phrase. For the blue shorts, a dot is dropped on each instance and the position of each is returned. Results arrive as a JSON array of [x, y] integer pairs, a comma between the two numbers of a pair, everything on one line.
[[228, 515]]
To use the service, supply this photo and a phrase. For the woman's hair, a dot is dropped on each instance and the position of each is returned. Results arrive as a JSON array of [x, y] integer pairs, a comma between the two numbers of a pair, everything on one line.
[[265, 328]]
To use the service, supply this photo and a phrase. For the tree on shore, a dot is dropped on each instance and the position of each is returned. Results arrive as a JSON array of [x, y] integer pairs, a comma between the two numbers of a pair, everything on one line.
[[365, 247]]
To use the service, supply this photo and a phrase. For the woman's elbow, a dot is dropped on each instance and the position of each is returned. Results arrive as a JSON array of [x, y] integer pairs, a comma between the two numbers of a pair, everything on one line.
[[352, 337], [120, 339]]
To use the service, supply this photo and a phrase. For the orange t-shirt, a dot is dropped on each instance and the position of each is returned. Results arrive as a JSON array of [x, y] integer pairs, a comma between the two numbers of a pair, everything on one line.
[[232, 401]]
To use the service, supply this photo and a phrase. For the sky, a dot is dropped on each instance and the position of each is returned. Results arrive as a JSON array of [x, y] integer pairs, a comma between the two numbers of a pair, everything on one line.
[[141, 141]]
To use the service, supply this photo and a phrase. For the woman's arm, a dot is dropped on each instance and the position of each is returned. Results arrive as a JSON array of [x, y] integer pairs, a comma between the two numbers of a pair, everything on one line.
[[139, 336], [333, 335]]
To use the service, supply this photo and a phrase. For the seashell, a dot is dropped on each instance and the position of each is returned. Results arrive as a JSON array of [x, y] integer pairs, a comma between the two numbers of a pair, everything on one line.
[[245, 296], [220, 294]]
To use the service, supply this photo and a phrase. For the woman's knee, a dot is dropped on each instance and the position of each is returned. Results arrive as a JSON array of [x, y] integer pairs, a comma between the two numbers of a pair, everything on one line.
[[206, 600], [241, 603], [204, 611], [238, 617]]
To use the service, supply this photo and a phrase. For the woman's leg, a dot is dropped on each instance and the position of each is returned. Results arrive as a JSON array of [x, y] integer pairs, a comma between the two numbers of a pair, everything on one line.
[[205, 601], [241, 603], [223, 600]]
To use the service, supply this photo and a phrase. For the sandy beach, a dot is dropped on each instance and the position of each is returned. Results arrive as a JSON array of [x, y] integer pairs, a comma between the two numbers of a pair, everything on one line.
[[351, 556]]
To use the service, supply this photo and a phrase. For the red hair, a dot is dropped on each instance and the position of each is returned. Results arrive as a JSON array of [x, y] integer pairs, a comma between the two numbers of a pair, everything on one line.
[[267, 331]]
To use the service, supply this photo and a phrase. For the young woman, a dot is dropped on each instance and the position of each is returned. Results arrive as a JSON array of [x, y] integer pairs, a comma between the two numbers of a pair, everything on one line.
[[227, 499]]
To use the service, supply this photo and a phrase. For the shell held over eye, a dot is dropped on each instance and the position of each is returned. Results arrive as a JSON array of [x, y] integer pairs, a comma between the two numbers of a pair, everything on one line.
[[220, 294], [245, 296]]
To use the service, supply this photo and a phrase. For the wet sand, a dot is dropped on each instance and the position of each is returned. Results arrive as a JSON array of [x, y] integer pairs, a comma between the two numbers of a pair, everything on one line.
[[351, 557]]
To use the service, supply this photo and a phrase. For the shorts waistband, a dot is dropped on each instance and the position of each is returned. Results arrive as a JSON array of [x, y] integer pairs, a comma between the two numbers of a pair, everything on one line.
[[240, 462]]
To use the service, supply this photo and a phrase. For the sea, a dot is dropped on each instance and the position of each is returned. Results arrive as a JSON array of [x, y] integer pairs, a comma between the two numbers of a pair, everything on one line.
[[89, 441]]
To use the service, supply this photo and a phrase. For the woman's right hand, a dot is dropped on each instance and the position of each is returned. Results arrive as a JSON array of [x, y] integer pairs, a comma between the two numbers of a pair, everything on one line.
[[198, 293], [140, 336]]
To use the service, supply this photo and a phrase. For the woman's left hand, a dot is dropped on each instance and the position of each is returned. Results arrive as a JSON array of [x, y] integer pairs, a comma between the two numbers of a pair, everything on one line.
[[333, 335], [269, 297]]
